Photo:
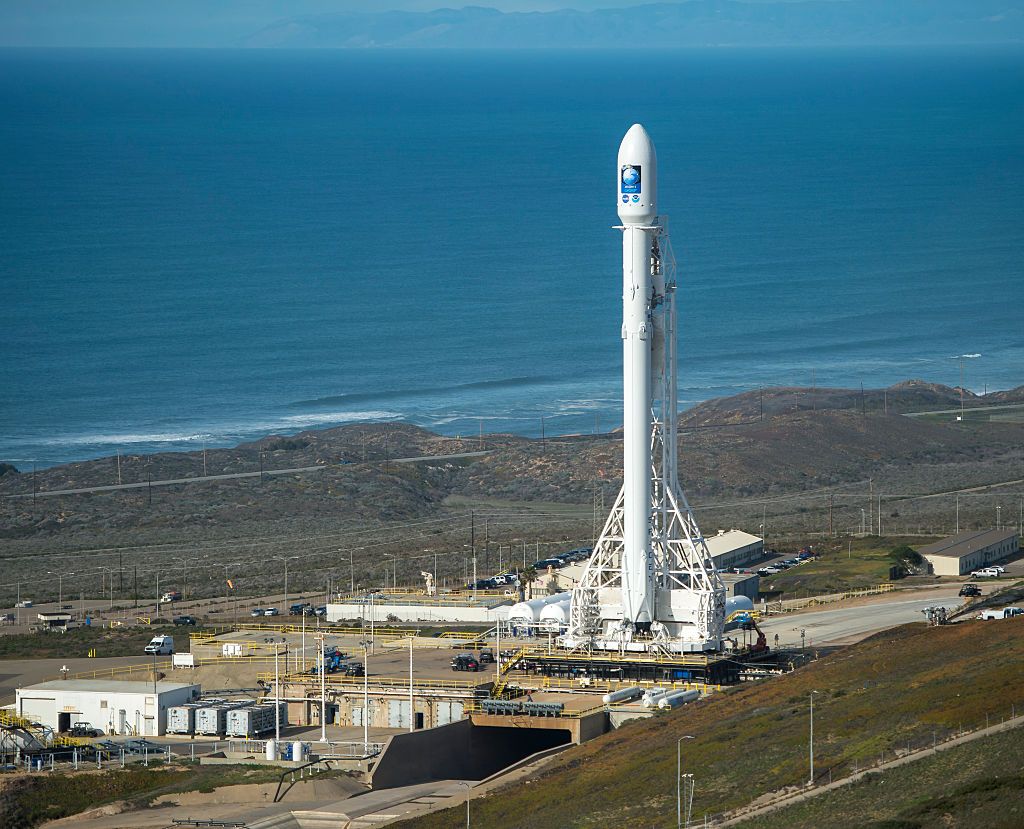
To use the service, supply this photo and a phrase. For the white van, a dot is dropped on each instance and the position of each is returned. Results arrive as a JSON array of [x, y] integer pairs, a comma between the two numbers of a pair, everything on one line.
[[160, 646]]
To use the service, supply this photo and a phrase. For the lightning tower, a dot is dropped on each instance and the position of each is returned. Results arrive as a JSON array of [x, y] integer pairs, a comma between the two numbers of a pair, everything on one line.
[[650, 585]]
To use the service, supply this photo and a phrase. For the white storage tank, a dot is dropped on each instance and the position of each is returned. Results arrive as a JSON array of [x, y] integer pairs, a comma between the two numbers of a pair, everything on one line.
[[735, 604], [623, 695], [298, 750], [555, 617], [271, 750], [528, 613], [677, 698]]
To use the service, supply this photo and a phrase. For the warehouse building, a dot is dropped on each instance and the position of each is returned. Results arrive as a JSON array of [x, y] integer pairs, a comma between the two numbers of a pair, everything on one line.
[[969, 551], [734, 548], [136, 708]]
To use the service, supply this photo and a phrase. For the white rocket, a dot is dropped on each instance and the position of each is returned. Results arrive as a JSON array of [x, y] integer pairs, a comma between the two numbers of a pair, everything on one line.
[[650, 584], [637, 190]]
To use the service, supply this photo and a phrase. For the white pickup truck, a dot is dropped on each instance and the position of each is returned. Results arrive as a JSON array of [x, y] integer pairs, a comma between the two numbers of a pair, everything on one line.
[[986, 573], [1001, 613]]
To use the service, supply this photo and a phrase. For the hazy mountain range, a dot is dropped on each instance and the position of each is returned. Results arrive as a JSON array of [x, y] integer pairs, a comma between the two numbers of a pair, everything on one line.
[[331, 24]]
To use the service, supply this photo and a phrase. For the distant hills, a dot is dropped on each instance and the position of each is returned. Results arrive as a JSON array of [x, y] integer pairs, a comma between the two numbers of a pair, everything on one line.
[[696, 23], [334, 24]]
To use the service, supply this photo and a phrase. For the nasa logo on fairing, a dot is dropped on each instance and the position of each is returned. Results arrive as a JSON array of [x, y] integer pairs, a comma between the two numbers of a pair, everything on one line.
[[630, 180]]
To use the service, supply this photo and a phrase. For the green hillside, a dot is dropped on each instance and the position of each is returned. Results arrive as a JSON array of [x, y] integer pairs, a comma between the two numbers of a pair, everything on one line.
[[901, 688]]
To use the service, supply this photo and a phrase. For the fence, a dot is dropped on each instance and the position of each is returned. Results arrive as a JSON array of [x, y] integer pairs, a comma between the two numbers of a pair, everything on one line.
[[924, 742]]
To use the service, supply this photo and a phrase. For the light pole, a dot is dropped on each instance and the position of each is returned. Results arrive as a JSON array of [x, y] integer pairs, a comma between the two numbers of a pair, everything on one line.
[[811, 695], [285, 559], [469, 793], [679, 779], [110, 575], [999, 517], [60, 586]]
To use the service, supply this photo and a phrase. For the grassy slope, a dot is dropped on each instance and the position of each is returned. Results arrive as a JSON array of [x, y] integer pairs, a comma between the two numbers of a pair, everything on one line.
[[845, 564], [977, 784], [875, 697]]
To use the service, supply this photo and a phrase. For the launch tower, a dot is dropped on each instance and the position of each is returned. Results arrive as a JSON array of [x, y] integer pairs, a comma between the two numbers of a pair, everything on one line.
[[650, 585]]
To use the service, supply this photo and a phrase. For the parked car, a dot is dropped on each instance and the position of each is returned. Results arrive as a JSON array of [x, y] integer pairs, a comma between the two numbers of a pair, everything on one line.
[[185, 620], [486, 656], [84, 729], [271, 611], [320, 611], [465, 662], [24, 603], [256, 611], [986, 573], [544, 563], [354, 669], [298, 609], [998, 567], [970, 590]]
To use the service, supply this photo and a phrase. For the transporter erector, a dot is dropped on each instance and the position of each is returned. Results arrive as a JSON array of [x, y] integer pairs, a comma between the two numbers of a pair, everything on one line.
[[650, 585]]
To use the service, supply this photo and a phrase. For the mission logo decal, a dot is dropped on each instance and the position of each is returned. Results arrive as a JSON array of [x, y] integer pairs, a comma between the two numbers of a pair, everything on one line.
[[629, 180]]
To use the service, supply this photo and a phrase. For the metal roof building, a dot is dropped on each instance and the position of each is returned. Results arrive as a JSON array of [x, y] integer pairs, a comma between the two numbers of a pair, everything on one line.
[[970, 550], [734, 548], [112, 706]]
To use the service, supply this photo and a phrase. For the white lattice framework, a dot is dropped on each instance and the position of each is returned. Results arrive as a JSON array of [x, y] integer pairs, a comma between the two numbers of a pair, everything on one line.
[[689, 594]]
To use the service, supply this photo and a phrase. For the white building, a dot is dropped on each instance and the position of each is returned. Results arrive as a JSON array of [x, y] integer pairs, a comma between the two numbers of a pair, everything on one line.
[[734, 548], [970, 550], [115, 707]]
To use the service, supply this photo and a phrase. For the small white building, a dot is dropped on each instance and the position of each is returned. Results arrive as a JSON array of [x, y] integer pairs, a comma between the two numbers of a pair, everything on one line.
[[112, 706]]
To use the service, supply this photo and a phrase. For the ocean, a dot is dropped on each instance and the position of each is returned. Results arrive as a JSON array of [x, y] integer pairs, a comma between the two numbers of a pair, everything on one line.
[[201, 247]]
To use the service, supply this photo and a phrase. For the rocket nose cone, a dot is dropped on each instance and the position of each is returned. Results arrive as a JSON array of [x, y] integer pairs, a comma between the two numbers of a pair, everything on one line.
[[637, 177], [636, 140]]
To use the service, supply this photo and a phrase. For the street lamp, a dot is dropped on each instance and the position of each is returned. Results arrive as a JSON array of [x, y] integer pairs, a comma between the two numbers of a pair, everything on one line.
[[285, 559], [679, 780], [811, 695], [469, 793], [60, 585]]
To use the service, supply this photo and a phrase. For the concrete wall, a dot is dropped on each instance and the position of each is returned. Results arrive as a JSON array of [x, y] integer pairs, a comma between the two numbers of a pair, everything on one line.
[[460, 751], [419, 613]]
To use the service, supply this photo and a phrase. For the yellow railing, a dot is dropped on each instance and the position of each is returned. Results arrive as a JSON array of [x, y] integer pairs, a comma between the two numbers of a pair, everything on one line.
[[356, 682]]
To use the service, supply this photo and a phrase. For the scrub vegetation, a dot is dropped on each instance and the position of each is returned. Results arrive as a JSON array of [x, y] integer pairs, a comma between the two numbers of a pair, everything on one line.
[[27, 801], [897, 690], [114, 641], [980, 783]]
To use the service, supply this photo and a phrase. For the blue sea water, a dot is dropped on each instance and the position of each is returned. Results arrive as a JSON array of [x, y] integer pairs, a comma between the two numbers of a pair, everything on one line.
[[203, 246]]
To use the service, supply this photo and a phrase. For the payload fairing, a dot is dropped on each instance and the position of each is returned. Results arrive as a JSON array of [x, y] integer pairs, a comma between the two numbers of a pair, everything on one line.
[[650, 584]]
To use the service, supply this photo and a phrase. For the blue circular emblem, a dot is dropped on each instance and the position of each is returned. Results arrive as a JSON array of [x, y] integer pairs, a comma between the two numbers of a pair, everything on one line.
[[636, 198], [625, 198], [630, 176]]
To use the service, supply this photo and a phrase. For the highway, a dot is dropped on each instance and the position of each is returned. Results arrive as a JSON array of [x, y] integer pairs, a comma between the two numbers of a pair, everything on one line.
[[268, 473], [845, 625]]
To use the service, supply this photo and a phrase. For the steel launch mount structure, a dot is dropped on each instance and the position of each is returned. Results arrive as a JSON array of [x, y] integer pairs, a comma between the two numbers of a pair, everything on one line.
[[650, 586]]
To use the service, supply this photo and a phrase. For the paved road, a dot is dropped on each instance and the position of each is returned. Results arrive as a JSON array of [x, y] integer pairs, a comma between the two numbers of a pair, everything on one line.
[[848, 624], [234, 476]]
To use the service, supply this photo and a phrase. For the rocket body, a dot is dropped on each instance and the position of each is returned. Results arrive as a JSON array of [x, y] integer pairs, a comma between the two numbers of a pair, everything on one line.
[[637, 208]]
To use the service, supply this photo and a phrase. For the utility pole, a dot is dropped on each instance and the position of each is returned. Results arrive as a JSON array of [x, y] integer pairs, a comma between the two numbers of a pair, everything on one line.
[[958, 513], [830, 497], [871, 502], [543, 441], [811, 782], [119, 467]]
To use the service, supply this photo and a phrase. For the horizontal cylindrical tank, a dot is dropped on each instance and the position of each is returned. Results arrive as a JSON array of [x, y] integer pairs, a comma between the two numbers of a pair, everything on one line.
[[529, 612], [653, 696], [555, 616], [623, 695], [677, 698]]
